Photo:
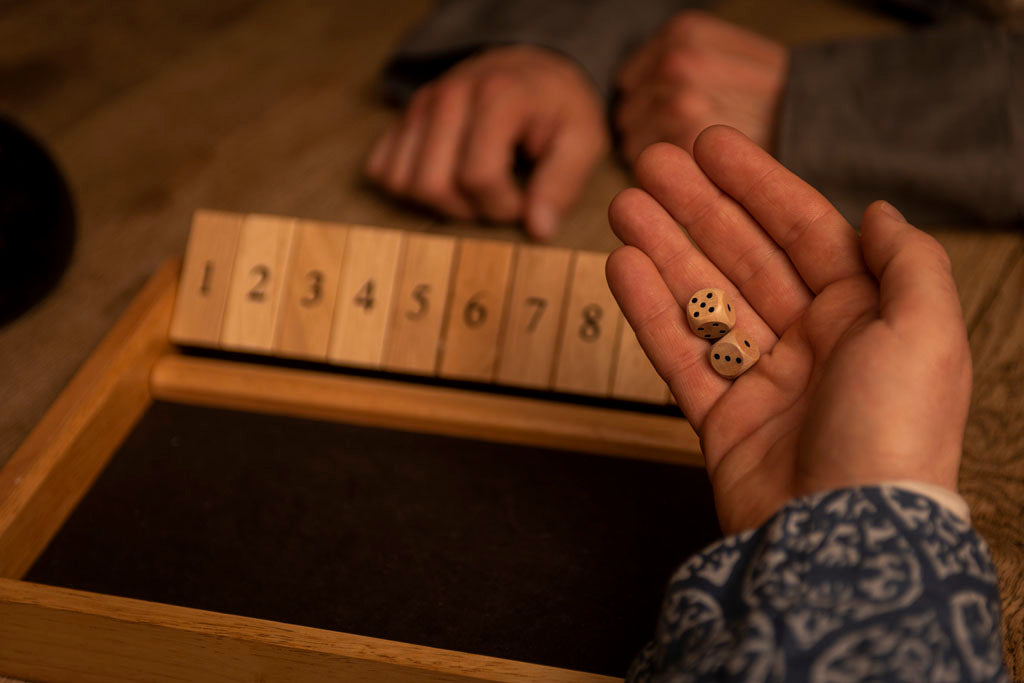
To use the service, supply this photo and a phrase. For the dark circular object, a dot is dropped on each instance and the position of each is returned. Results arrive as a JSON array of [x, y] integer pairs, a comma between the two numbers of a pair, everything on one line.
[[714, 324], [727, 359], [709, 295], [693, 300], [700, 329], [696, 314], [747, 343], [37, 222], [711, 309], [728, 307], [717, 356], [739, 360], [702, 304], [707, 336]]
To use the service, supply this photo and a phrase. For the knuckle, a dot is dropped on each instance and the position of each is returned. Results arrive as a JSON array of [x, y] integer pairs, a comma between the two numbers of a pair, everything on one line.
[[685, 24], [478, 181], [687, 106], [681, 65], [495, 85]]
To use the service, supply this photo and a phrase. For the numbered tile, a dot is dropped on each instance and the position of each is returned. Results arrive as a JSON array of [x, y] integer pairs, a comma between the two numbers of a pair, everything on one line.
[[310, 289], [254, 293], [527, 353], [363, 305], [205, 276], [635, 377], [474, 316], [420, 298], [590, 330]]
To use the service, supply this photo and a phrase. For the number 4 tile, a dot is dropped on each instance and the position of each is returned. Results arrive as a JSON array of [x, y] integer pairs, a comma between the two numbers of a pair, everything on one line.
[[362, 310]]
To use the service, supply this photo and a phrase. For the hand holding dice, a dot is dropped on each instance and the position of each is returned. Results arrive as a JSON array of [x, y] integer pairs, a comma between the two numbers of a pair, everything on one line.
[[865, 375], [711, 317]]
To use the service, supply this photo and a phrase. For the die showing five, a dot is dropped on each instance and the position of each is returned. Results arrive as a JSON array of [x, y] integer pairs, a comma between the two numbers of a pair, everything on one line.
[[711, 316]]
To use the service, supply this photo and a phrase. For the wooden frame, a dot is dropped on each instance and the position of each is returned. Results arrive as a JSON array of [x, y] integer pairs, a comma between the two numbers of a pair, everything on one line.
[[49, 633]]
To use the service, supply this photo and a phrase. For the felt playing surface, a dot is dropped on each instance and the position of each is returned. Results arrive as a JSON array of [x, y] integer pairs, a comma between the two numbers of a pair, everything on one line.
[[538, 555]]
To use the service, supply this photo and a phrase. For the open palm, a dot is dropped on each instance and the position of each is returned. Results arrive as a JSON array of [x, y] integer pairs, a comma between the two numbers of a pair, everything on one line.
[[865, 370]]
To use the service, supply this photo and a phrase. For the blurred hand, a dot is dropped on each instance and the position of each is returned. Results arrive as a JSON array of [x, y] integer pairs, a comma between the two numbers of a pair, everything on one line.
[[696, 72], [865, 373], [454, 149]]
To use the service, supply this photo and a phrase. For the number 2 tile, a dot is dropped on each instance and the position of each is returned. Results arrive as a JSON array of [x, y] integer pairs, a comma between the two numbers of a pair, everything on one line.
[[254, 292]]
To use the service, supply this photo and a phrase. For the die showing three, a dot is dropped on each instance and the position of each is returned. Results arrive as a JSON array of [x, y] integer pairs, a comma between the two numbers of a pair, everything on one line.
[[711, 316]]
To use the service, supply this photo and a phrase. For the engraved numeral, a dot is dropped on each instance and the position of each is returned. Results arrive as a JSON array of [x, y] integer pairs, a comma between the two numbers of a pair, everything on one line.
[[364, 297], [316, 287], [590, 329], [262, 274], [540, 304], [419, 294], [204, 288], [475, 314]]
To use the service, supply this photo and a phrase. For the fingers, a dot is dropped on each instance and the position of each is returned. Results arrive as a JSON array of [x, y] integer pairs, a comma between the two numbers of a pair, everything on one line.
[[392, 158], [917, 293], [686, 36], [641, 222], [653, 312], [563, 166], [818, 241], [498, 123], [726, 233], [434, 176]]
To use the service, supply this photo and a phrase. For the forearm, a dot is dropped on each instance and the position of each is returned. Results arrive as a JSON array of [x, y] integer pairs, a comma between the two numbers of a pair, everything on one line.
[[932, 121], [596, 34], [878, 583]]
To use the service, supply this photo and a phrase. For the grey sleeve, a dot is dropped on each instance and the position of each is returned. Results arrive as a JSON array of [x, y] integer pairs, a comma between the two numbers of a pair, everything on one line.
[[932, 121], [597, 34]]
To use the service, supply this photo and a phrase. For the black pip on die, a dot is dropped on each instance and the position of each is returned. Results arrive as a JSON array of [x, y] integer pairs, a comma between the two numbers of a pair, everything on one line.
[[733, 354], [711, 317], [710, 314]]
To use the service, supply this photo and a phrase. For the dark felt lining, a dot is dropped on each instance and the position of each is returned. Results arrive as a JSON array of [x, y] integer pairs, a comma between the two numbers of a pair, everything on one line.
[[538, 555]]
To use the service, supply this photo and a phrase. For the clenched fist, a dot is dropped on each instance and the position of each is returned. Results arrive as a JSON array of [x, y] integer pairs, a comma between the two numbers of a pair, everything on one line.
[[696, 72], [455, 147]]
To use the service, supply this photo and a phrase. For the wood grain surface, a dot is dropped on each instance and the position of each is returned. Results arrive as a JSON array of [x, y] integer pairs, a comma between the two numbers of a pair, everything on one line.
[[155, 109]]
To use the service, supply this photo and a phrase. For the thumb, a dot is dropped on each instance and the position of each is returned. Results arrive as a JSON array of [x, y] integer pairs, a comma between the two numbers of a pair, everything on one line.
[[562, 168], [916, 286]]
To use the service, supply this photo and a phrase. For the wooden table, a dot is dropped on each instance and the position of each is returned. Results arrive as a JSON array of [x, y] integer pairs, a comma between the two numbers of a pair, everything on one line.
[[156, 109]]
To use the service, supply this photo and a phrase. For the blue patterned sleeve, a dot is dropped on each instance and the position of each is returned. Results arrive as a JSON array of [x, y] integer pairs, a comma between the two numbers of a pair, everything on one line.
[[872, 583]]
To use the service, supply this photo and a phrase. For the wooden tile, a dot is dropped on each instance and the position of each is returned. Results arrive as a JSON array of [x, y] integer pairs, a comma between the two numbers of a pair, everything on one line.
[[310, 289], [256, 282], [414, 336], [479, 291], [205, 275], [635, 377], [527, 354], [589, 331], [363, 306]]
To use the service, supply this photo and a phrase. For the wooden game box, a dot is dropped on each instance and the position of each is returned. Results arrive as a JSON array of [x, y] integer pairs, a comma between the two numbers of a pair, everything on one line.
[[254, 510]]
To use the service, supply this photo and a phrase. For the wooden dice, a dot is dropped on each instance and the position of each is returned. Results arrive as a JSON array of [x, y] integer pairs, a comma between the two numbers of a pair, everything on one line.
[[711, 317], [733, 354], [710, 314]]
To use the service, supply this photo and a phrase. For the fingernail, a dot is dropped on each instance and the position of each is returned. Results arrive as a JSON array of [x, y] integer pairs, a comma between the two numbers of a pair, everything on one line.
[[544, 221], [892, 211]]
